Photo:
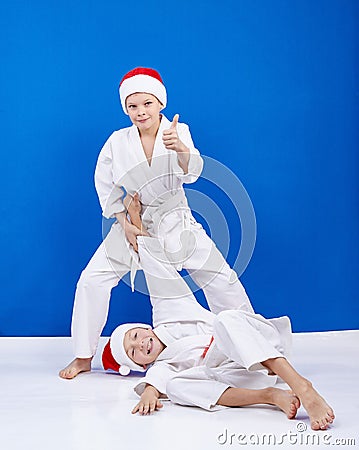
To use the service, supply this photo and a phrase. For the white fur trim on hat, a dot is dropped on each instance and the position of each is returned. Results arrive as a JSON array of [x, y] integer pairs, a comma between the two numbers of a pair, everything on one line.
[[142, 80], [118, 350]]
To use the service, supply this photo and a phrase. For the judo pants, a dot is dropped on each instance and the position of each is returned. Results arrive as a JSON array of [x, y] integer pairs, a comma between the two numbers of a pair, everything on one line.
[[113, 260], [241, 342]]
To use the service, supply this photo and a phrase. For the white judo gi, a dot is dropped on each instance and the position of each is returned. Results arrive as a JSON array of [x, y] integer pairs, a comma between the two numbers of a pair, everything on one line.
[[242, 340], [165, 214]]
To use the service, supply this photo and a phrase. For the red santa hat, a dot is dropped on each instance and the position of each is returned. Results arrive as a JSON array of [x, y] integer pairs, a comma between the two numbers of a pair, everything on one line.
[[114, 356], [142, 79]]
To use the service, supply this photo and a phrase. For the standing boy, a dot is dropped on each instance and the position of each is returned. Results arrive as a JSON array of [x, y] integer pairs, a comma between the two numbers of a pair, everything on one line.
[[153, 157]]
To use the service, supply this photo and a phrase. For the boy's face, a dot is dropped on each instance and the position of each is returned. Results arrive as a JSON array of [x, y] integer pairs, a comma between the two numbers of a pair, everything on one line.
[[142, 346], [144, 110]]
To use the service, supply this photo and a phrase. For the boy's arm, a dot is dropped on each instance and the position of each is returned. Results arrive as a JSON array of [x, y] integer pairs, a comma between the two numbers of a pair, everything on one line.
[[188, 164], [103, 173], [149, 401], [192, 158], [172, 141], [109, 195]]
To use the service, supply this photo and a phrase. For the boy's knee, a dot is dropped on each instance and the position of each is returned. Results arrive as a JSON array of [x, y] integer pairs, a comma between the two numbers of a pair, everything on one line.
[[227, 318], [228, 314], [90, 280]]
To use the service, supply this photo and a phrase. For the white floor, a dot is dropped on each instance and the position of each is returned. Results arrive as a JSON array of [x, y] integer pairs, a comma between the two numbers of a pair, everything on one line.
[[38, 410]]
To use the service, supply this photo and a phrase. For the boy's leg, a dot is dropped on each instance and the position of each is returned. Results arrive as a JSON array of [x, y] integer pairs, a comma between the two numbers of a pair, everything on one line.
[[249, 338], [210, 271], [285, 400], [320, 413], [207, 267], [91, 304], [253, 341], [193, 388]]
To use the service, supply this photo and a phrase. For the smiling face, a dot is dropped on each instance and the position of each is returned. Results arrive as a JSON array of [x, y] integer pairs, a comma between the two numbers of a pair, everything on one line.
[[144, 111], [142, 346]]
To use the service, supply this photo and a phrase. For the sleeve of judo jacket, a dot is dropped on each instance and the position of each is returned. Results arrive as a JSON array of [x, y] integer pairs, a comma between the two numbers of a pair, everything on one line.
[[195, 164], [110, 195], [158, 376], [192, 387]]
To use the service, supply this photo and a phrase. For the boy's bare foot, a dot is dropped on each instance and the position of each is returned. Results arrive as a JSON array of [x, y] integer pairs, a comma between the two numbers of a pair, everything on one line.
[[75, 367], [320, 413], [287, 401]]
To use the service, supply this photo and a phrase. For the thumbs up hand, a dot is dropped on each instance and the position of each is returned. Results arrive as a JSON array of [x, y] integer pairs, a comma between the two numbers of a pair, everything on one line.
[[170, 137], [175, 121]]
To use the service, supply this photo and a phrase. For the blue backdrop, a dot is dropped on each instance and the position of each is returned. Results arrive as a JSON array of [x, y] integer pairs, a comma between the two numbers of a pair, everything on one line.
[[269, 88]]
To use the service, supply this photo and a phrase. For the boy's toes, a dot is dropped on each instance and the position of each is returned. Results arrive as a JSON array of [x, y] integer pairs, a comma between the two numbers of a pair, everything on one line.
[[315, 425]]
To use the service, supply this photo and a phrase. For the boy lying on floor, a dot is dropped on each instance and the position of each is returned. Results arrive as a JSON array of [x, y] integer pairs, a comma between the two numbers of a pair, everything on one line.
[[197, 358]]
